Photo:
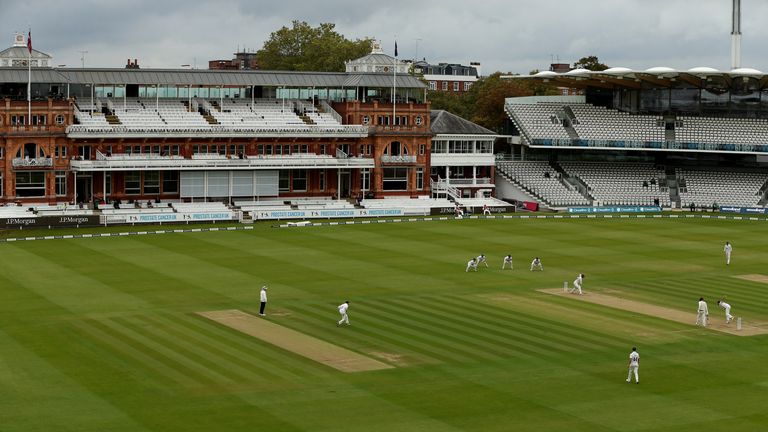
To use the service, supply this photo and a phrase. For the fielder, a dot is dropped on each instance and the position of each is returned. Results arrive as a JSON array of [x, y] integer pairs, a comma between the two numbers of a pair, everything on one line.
[[481, 260], [507, 260], [727, 307], [343, 311], [471, 265], [727, 249], [577, 284], [634, 364], [536, 263], [703, 313]]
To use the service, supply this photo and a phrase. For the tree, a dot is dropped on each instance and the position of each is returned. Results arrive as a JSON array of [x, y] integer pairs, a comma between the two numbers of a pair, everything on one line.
[[590, 63], [306, 48]]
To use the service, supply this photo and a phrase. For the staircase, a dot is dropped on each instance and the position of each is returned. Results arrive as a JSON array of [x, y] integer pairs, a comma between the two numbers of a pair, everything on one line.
[[764, 194], [210, 119], [674, 187], [306, 119], [216, 106], [112, 119], [570, 121], [572, 182]]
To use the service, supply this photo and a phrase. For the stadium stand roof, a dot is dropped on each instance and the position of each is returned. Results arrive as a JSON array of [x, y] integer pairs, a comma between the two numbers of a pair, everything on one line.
[[443, 122], [206, 77], [619, 77]]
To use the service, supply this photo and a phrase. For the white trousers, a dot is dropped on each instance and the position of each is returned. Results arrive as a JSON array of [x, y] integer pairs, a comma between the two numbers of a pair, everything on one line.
[[504, 265], [701, 319], [727, 258], [576, 288], [344, 319], [540, 267], [471, 267], [728, 316], [629, 374]]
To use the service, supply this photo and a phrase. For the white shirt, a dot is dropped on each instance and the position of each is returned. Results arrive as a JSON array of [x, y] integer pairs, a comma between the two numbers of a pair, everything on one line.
[[634, 358], [508, 258], [481, 258], [470, 263], [724, 305], [343, 308], [703, 307], [263, 295], [536, 262], [578, 281], [727, 248]]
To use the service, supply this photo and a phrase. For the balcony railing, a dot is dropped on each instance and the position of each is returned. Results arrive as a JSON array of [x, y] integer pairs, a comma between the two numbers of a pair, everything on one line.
[[78, 131], [218, 162], [398, 159], [469, 181], [32, 162]]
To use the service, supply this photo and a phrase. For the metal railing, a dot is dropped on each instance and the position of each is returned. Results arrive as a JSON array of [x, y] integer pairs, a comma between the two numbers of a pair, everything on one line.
[[329, 110], [398, 159], [125, 163], [217, 130], [32, 162]]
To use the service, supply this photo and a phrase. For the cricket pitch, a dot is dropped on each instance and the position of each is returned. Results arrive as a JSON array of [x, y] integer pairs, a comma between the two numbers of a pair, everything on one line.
[[296, 342], [747, 329]]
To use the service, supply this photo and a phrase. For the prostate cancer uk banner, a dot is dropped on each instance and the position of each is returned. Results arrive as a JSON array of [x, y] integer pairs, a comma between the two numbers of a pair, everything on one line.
[[318, 214]]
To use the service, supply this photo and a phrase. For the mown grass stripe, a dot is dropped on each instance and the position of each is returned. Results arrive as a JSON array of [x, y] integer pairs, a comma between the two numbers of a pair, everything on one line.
[[401, 336], [506, 323], [227, 371], [481, 329], [567, 334], [484, 336], [289, 367], [221, 353], [442, 330], [195, 369], [164, 367]]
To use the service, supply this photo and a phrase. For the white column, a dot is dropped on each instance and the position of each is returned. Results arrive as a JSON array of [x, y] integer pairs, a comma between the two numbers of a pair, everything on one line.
[[474, 175], [125, 95]]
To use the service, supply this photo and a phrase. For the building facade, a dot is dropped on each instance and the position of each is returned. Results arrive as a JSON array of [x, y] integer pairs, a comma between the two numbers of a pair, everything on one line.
[[448, 78]]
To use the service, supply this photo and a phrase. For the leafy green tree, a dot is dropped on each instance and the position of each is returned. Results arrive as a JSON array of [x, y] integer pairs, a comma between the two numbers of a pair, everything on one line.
[[590, 63], [484, 102], [305, 48]]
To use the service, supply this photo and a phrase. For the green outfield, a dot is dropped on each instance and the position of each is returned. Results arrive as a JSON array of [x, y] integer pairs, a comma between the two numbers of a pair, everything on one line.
[[114, 334]]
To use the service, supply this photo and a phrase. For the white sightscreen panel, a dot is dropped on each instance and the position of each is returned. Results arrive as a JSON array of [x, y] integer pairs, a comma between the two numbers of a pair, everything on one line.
[[267, 183], [218, 183], [242, 183], [192, 184]]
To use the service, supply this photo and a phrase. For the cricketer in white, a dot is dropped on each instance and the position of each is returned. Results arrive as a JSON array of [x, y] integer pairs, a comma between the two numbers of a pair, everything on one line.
[[634, 364]]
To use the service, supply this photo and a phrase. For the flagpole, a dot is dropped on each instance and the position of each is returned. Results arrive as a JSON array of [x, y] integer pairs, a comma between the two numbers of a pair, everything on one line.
[[29, 78], [394, 87]]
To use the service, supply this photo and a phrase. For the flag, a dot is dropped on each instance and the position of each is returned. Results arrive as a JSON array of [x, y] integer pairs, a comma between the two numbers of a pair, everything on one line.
[[29, 42], [395, 48]]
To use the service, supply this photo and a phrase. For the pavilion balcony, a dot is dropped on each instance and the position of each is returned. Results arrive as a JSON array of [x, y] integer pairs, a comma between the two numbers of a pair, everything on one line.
[[217, 131], [32, 163], [204, 162]]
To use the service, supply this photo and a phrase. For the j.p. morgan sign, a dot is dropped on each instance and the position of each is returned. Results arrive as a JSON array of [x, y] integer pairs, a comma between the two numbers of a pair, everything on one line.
[[49, 221]]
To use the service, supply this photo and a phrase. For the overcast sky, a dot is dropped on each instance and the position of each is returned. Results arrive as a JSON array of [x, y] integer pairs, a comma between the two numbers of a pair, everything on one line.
[[504, 35]]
